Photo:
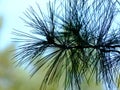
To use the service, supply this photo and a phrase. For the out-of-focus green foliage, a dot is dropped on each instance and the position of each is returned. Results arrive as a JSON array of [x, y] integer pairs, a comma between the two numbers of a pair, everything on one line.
[[15, 78], [1, 20], [91, 86]]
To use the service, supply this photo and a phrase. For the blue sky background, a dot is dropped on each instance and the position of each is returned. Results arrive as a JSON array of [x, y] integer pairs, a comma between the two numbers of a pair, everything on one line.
[[10, 11]]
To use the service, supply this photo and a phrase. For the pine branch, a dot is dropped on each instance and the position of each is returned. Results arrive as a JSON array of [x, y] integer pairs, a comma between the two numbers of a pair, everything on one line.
[[80, 39]]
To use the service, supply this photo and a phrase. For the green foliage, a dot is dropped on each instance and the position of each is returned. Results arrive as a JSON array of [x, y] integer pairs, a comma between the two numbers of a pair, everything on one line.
[[1, 20], [15, 78], [12, 78]]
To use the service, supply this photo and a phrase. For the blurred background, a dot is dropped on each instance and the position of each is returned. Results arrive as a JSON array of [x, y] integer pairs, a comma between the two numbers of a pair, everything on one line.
[[17, 78]]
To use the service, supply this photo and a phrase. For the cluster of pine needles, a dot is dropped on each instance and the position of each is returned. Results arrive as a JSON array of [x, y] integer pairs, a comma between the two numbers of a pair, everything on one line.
[[77, 38]]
